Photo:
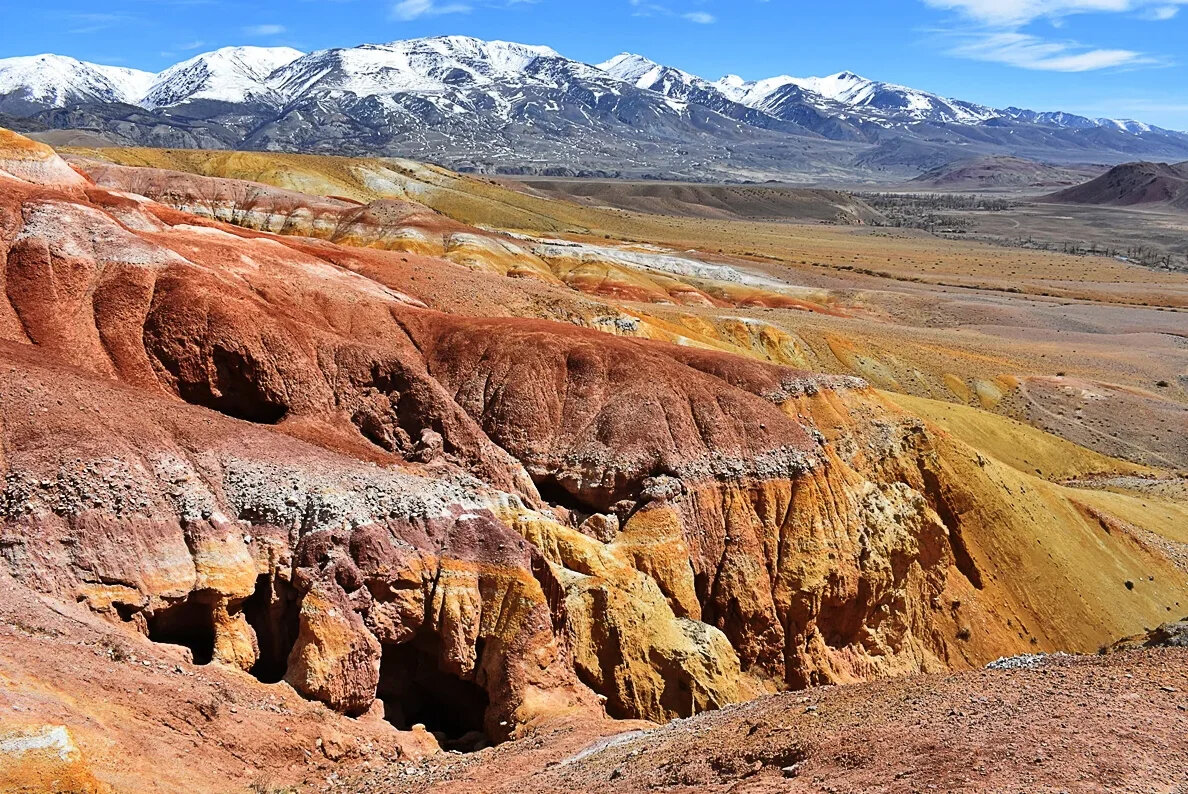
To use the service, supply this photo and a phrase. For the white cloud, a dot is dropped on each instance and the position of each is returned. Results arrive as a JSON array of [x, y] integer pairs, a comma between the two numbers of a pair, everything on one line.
[[1014, 13], [646, 8], [265, 30], [996, 31], [413, 9], [1160, 13], [1031, 52]]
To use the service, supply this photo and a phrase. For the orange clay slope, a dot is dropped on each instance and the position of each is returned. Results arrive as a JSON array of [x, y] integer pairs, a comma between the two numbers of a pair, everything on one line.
[[350, 468], [1084, 347]]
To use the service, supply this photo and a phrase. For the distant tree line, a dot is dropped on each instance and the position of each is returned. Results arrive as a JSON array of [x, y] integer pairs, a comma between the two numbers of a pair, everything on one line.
[[1144, 255], [926, 211], [936, 201]]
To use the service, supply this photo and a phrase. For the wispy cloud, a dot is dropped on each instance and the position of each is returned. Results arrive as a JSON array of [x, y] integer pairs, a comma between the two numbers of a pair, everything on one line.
[[998, 31], [1160, 13], [265, 30], [1027, 51], [1016, 13], [414, 9], [93, 23], [646, 8]]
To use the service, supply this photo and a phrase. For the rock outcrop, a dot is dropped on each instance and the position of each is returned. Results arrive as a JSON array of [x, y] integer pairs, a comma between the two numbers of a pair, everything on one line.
[[45, 758], [1169, 635], [305, 461]]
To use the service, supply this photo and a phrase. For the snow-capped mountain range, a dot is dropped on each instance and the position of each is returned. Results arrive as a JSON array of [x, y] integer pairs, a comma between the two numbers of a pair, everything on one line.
[[517, 106], [849, 96]]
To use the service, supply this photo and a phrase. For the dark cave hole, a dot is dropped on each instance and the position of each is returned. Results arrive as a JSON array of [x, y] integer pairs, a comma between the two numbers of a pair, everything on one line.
[[415, 690], [272, 613], [127, 612], [554, 493], [188, 623], [234, 391]]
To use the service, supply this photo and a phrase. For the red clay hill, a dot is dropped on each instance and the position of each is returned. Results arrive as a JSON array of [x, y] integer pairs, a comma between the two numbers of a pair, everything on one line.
[[1133, 185], [277, 461]]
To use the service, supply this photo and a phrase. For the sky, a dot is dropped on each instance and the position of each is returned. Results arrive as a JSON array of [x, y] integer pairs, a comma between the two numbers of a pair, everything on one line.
[[1117, 58]]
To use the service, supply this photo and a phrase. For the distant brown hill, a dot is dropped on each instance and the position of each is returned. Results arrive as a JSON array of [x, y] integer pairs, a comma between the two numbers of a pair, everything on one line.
[[692, 200], [989, 173], [1133, 184]]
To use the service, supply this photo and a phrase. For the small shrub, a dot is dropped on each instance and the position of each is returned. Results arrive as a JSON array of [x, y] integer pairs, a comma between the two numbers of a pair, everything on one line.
[[265, 785], [116, 648]]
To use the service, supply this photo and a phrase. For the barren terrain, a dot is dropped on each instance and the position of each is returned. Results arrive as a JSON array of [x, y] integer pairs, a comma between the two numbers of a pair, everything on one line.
[[1043, 725], [425, 484]]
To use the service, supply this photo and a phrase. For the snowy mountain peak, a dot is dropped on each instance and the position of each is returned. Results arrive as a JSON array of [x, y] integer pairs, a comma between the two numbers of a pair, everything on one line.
[[454, 70], [132, 83], [496, 52], [57, 81], [483, 57], [230, 74], [1126, 125], [628, 66], [752, 93], [842, 87], [644, 73]]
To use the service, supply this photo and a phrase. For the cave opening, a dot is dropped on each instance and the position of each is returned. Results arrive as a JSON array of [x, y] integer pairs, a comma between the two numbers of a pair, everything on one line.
[[414, 689], [235, 388], [127, 612], [271, 610], [556, 494], [188, 623]]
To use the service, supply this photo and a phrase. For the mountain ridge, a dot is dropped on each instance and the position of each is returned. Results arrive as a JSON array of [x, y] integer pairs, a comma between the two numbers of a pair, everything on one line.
[[504, 107], [989, 173]]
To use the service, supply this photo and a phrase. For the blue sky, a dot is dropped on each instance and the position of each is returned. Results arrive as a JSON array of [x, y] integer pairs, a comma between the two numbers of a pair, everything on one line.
[[1101, 57]]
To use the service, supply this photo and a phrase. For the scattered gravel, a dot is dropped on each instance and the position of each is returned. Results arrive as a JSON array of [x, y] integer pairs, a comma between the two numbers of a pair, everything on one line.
[[1027, 661]]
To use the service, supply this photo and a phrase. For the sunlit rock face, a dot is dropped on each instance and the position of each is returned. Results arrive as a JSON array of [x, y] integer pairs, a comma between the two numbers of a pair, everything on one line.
[[305, 459]]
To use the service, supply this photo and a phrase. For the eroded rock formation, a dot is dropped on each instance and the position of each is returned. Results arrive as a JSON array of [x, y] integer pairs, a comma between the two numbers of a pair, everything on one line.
[[298, 459]]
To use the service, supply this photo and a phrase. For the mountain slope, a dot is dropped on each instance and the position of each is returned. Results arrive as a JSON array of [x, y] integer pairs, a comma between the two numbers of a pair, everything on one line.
[[983, 173], [1133, 184], [511, 108], [236, 75], [683, 199], [31, 82]]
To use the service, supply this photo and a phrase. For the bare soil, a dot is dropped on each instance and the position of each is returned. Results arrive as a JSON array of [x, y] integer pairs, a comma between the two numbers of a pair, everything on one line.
[[1116, 723]]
